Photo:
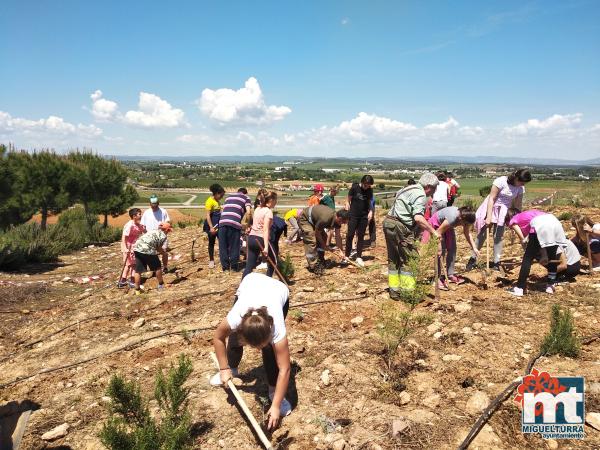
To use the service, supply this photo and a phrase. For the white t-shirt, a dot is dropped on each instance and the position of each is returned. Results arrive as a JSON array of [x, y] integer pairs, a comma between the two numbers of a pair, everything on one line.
[[257, 290], [441, 192], [151, 219], [571, 253]]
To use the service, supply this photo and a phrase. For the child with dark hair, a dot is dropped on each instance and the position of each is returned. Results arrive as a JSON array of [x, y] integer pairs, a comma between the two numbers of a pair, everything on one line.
[[506, 191], [259, 236], [359, 205], [211, 223], [313, 222], [131, 232], [444, 221], [257, 319], [236, 206]]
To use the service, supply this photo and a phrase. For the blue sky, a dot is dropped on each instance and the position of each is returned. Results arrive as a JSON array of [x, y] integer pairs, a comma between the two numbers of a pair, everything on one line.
[[385, 78]]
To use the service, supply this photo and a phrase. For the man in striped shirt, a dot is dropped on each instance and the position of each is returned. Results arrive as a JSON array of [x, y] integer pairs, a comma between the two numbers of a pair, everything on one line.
[[230, 228]]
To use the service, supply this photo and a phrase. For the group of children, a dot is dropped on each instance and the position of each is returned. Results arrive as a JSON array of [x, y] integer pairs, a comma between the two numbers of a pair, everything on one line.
[[419, 211]]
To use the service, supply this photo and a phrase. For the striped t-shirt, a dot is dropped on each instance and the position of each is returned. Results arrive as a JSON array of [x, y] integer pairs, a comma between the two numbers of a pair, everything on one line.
[[234, 209]]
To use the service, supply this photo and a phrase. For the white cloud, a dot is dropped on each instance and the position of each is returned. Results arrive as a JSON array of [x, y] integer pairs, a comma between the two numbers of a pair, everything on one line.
[[103, 110], [554, 124], [154, 112], [246, 106], [444, 126], [369, 127], [52, 126]]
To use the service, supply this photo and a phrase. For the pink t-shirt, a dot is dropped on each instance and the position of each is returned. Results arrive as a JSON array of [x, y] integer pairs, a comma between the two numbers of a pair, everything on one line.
[[131, 232], [524, 220], [258, 220]]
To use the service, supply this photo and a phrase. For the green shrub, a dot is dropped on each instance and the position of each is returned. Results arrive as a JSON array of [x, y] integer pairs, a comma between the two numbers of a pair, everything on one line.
[[420, 265], [130, 425], [469, 202], [286, 267], [565, 216], [561, 339], [29, 243]]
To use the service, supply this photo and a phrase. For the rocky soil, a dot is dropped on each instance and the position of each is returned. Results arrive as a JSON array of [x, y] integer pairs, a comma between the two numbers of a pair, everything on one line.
[[473, 343]]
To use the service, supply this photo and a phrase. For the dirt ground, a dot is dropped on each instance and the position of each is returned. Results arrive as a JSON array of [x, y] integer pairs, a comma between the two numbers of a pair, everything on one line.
[[475, 342]]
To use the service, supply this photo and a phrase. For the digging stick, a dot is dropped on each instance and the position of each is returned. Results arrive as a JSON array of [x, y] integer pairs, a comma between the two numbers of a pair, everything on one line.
[[436, 265], [244, 407], [589, 252], [281, 277], [487, 250], [193, 255]]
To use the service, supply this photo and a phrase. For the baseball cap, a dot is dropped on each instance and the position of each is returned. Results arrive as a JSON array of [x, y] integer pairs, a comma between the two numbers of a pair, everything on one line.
[[153, 199], [165, 226]]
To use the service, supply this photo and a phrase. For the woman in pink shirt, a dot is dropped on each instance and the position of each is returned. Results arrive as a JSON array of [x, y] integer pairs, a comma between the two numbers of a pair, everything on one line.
[[506, 192], [131, 231], [258, 238]]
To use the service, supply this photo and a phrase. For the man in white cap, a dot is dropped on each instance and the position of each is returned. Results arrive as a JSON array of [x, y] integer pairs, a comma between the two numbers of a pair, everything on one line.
[[400, 227], [150, 219]]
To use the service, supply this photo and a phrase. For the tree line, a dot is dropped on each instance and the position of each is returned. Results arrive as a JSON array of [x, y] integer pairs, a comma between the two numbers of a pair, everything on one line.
[[47, 183]]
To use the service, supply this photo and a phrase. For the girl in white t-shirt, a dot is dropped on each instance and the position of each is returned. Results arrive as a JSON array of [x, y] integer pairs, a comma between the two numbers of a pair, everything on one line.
[[506, 191], [440, 196], [257, 319]]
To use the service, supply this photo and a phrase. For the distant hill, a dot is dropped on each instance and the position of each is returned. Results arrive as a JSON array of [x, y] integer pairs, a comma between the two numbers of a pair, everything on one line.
[[371, 159]]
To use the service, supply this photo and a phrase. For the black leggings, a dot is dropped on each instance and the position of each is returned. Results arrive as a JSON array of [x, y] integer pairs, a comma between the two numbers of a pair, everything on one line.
[[358, 226], [254, 251], [235, 351], [531, 252], [212, 238]]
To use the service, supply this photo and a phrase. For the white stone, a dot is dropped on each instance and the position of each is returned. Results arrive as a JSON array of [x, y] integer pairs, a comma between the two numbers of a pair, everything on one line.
[[467, 330], [72, 416], [438, 335], [462, 307], [593, 420], [477, 325], [477, 402], [404, 398], [325, 379], [356, 321], [552, 444], [139, 323], [399, 426], [56, 433], [450, 357], [435, 326], [433, 401]]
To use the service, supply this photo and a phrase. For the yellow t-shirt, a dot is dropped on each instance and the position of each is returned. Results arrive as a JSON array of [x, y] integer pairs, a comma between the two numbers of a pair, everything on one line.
[[291, 213], [212, 205]]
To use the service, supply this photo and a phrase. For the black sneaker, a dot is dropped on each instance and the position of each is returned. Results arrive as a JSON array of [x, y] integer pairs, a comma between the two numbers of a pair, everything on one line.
[[394, 295], [496, 267], [471, 264]]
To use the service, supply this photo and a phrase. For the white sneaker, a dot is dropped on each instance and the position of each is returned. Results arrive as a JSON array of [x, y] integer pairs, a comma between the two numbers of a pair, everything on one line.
[[215, 380], [550, 289], [211, 264], [262, 266], [596, 269], [517, 292], [285, 408], [360, 262]]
